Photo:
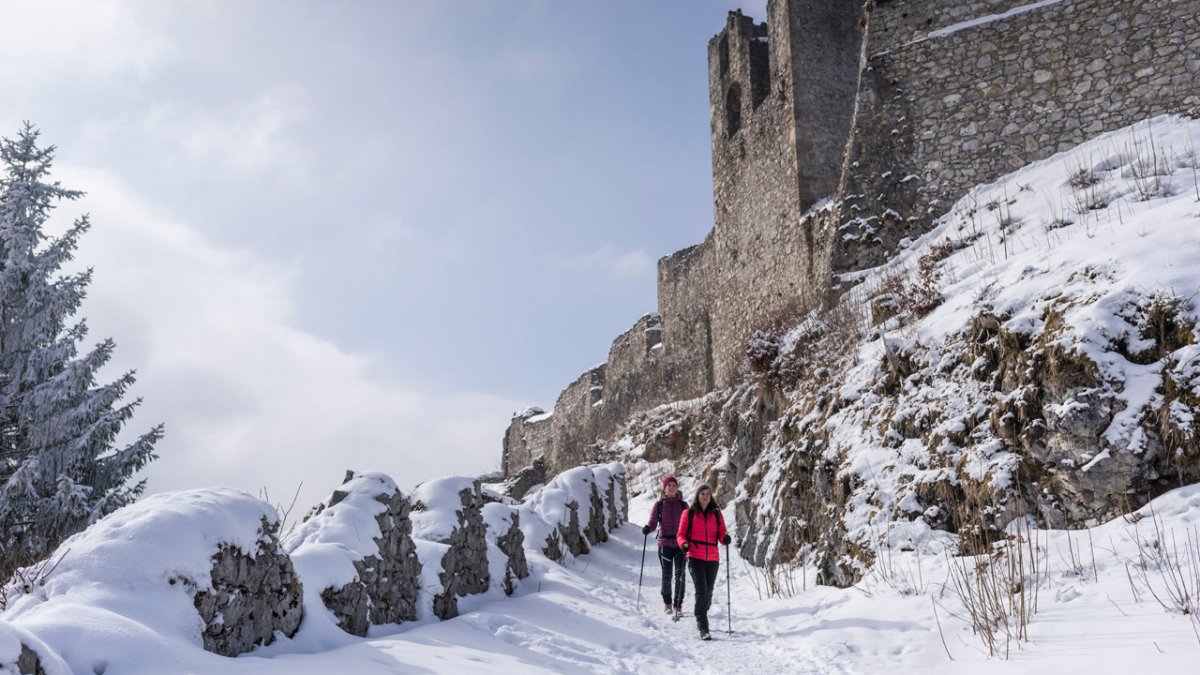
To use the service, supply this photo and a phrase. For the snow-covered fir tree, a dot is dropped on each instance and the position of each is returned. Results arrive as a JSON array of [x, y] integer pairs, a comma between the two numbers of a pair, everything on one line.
[[60, 466]]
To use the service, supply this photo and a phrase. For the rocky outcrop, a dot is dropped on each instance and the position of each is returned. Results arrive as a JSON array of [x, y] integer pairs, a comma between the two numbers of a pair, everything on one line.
[[359, 559], [252, 597]]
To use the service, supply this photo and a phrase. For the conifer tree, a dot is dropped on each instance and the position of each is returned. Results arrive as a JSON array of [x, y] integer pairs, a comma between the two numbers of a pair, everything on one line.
[[60, 466]]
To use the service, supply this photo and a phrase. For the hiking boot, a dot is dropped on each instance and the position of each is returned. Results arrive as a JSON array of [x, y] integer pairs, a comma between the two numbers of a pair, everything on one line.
[[704, 635], [669, 609]]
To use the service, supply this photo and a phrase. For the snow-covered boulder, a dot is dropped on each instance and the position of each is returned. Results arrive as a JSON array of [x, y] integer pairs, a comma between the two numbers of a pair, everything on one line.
[[174, 571], [356, 555], [449, 511]]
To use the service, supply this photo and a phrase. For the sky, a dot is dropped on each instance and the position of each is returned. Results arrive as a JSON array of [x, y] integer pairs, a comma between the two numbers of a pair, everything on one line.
[[361, 235]]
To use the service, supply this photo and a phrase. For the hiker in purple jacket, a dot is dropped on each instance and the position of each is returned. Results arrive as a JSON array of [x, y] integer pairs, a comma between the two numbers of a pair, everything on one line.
[[665, 515]]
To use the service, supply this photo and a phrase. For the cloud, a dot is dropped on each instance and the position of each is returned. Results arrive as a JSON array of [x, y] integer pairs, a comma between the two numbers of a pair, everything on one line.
[[45, 41], [249, 399], [616, 264], [243, 138]]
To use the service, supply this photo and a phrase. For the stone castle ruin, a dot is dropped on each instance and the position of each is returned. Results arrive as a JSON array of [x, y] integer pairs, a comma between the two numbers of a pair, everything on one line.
[[840, 132]]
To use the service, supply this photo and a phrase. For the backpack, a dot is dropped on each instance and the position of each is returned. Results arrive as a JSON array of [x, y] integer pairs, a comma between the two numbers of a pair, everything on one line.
[[720, 523]]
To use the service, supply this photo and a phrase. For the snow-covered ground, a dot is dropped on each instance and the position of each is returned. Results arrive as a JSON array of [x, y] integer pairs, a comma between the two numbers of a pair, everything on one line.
[[583, 618]]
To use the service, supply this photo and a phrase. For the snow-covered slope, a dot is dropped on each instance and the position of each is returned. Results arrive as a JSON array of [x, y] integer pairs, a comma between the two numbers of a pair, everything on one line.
[[1035, 353]]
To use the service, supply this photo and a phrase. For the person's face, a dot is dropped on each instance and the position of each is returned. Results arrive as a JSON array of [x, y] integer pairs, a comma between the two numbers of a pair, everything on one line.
[[705, 497], [672, 488]]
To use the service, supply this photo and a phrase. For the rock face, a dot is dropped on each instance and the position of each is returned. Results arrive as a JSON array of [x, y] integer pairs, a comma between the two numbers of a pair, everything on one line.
[[1066, 393], [367, 521], [252, 597]]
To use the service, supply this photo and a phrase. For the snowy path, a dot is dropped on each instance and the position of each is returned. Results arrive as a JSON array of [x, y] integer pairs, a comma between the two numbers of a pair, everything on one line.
[[581, 618]]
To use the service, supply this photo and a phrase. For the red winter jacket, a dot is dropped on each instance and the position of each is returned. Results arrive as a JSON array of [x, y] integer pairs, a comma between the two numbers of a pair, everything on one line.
[[703, 531]]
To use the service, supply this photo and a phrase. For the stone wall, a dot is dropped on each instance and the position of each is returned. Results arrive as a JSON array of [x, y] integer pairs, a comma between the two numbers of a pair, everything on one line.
[[640, 373], [784, 157], [946, 103], [684, 298], [893, 110], [772, 159]]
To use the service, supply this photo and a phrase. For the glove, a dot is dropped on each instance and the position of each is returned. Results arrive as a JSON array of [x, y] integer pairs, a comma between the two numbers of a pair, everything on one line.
[[727, 540], [645, 529], [685, 546]]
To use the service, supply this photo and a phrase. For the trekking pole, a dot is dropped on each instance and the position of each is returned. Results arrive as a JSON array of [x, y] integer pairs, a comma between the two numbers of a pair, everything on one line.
[[728, 592], [641, 570]]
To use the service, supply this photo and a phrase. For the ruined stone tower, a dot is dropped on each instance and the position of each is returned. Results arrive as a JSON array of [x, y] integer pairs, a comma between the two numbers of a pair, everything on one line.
[[781, 97]]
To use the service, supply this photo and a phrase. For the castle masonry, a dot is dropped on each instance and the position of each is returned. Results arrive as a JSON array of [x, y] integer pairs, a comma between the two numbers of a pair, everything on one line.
[[840, 130]]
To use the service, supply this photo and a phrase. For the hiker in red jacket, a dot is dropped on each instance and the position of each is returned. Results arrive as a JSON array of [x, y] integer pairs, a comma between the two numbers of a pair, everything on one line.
[[665, 515], [700, 532]]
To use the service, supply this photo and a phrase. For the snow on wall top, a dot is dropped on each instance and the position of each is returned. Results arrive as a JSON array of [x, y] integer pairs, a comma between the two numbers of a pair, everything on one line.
[[324, 547]]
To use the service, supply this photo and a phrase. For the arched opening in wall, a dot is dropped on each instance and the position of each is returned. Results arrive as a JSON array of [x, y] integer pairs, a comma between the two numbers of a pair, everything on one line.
[[723, 54], [733, 110]]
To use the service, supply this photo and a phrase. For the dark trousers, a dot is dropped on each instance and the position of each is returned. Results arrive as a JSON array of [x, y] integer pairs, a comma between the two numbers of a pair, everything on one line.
[[672, 560], [704, 578]]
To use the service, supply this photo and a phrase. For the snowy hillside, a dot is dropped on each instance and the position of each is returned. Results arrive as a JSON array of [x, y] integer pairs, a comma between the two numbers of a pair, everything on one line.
[[1034, 354]]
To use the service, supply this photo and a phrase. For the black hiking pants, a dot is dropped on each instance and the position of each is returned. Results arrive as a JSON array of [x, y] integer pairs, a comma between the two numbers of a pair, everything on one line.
[[672, 560], [704, 578]]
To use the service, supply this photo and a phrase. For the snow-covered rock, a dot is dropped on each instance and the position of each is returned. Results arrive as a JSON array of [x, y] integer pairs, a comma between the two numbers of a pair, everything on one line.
[[449, 511], [576, 509], [357, 557], [179, 570]]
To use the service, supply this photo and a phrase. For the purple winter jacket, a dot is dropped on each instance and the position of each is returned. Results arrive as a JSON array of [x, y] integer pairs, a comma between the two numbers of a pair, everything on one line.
[[665, 514]]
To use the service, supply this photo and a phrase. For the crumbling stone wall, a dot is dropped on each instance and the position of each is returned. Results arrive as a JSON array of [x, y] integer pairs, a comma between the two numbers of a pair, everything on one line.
[[530, 435], [465, 563], [782, 97], [783, 159], [953, 97], [511, 542], [386, 587], [893, 110], [252, 597], [638, 374]]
